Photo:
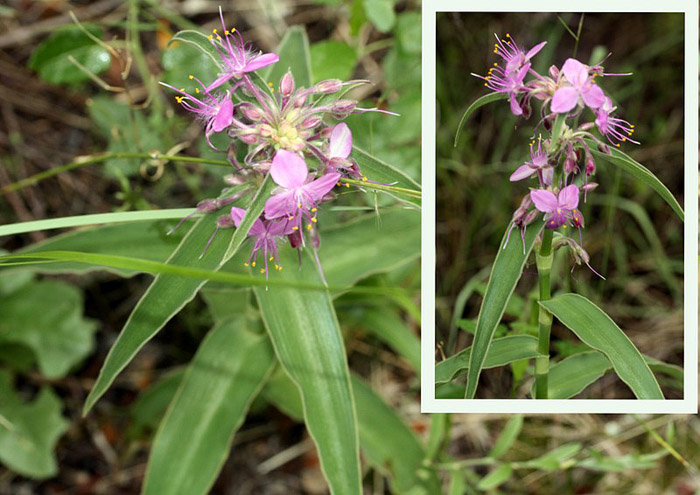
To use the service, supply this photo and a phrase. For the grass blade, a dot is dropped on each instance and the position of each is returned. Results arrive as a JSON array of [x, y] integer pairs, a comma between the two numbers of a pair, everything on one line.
[[506, 271], [195, 436], [570, 376], [381, 172], [254, 210], [501, 352], [597, 330], [480, 102], [294, 55], [308, 342]]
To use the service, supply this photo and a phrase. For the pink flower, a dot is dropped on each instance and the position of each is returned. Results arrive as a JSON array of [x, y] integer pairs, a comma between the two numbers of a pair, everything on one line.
[[299, 194], [236, 59], [538, 163], [616, 130], [567, 97], [266, 234], [559, 210]]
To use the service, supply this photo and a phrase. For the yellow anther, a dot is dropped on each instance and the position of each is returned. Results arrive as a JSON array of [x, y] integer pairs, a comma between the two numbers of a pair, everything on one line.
[[290, 218], [314, 220], [364, 179], [347, 185], [314, 210], [280, 268], [191, 76], [262, 270], [299, 205], [227, 32], [507, 35], [308, 227], [270, 84], [272, 258], [213, 31], [253, 263], [277, 267], [196, 90], [218, 38], [618, 145], [210, 37], [486, 84], [246, 264], [295, 228], [179, 99]]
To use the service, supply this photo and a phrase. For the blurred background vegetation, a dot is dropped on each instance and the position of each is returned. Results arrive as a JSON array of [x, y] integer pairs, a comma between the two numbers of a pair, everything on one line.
[[633, 237]]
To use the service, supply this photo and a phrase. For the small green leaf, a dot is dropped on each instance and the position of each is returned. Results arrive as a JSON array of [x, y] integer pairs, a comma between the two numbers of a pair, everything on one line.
[[507, 437], [308, 342], [597, 330], [295, 56], [383, 173], [496, 477], [184, 59], [553, 460], [570, 376], [332, 59], [225, 375], [197, 40], [381, 14], [639, 172], [29, 431], [500, 352], [480, 102], [58, 335], [51, 58], [506, 271]]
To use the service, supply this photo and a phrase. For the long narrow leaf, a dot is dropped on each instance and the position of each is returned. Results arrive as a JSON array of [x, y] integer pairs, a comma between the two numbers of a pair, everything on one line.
[[294, 55], [480, 102], [306, 336], [506, 271], [382, 173], [597, 330], [255, 208], [194, 438]]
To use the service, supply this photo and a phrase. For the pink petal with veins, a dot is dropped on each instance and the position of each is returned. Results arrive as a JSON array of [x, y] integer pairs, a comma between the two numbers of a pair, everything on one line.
[[288, 170], [545, 201], [535, 50], [568, 197], [237, 215], [522, 172], [280, 205], [575, 72], [224, 116], [341, 141], [261, 61], [564, 99], [320, 187]]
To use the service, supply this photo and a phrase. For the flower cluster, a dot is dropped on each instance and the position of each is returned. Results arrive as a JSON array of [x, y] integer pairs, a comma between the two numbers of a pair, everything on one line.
[[573, 105], [292, 134]]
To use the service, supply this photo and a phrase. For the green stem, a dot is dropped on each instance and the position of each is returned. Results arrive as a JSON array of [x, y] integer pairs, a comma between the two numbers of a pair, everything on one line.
[[544, 268]]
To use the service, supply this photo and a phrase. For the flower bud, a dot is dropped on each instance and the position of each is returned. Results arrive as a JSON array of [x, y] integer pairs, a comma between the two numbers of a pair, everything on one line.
[[300, 101], [569, 165], [554, 72], [530, 217], [225, 222], [248, 138], [589, 187], [329, 86], [342, 108], [263, 167], [311, 122], [234, 180], [577, 218], [604, 148], [250, 111], [526, 202], [208, 205], [287, 85], [590, 165], [294, 239]]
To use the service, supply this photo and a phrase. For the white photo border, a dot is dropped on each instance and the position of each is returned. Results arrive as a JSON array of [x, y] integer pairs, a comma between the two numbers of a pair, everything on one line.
[[689, 403]]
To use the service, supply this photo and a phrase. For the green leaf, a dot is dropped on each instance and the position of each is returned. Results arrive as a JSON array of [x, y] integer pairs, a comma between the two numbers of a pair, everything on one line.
[[225, 375], [152, 404], [388, 327], [554, 460], [496, 477], [307, 339], [386, 441], [332, 59], [51, 58], [369, 244], [597, 330], [181, 60], [381, 14], [639, 172], [500, 352], [199, 41], [165, 297], [295, 56], [408, 32], [507, 437], [30, 430], [253, 212], [57, 334], [383, 173], [480, 102], [572, 375], [506, 271]]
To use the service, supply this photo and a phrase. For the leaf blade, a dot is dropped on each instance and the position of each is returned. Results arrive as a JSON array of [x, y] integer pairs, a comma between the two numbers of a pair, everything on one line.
[[480, 102]]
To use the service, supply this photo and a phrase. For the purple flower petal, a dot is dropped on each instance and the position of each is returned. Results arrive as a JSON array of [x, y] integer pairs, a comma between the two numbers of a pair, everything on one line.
[[592, 95], [535, 50], [280, 205], [262, 61], [224, 116], [523, 172], [564, 99], [545, 201], [548, 176], [322, 186], [219, 81], [237, 215], [514, 105], [283, 227], [568, 197], [341, 141], [288, 170], [575, 72]]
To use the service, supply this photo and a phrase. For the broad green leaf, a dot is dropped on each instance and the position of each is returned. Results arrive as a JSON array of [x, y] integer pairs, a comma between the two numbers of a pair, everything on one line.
[[381, 14], [500, 352], [639, 172], [496, 477], [147, 240], [554, 460], [506, 271], [194, 438], [151, 405], [182, 60], [308, 342], [51, 58], [294, 55], [671, 370], [570, 376], [369, 244], [597, 330], [29, 431], [332, 59], [507, 437], [58, 334], [199, 41], [388, 327], [386, 441], [383, 173], [164, 298], [409, 32], [480, 102]]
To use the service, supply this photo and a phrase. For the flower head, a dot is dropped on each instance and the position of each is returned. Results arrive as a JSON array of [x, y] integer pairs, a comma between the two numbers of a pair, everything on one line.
[[266, 233], [236, 59], [581, 86], [539, 163], [298, 194], [616, 130], [559, 210]]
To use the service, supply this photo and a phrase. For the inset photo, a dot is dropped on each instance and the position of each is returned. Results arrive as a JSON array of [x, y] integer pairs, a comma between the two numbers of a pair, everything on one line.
[[564, 270]]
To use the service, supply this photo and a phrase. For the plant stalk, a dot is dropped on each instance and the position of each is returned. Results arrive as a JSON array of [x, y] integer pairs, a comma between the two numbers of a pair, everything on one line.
[[544, 268]]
